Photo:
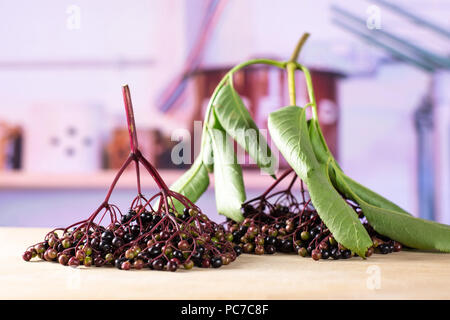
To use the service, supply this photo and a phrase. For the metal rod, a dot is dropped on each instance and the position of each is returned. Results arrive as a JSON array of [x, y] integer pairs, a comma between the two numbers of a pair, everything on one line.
[[414, 18], [430, 57], [423, 118], [420, 64]]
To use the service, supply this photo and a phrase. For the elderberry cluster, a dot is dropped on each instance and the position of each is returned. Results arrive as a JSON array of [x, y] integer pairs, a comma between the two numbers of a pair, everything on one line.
[[296, 228], [141, 239], [160, 237]]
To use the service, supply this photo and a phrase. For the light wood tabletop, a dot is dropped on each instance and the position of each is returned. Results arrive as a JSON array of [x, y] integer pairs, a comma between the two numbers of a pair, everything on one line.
[[403, 275]]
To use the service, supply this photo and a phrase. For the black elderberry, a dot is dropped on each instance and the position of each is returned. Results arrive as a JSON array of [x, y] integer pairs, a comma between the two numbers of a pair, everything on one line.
[[278, 226], [128, 237], [154, 251], [98, 262], [178, 254], [158, 264], [118, 262], [185, 217], [216, 262], [236, 236], [125, 218], [144, 256], [346, 254], [135, 229], [278, 243], [164, 235], [172, 266], [270, 240], [238, 250], [105, 247], [117, 242], [286, 245], [384, 249], [196, 256], [270, 249], [243, 230], [159, 245], [247, 210], [201, 250], [325, 254], [107, 236], [314, 232], [146, 217], [335, 253]]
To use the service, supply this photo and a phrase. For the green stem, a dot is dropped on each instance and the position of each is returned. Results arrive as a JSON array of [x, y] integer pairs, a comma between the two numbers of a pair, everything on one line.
[[312, 103], [299, 47], [291, 67], [310, 89]]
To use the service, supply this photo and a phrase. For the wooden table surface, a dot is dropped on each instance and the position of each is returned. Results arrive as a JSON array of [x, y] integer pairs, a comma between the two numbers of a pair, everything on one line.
[[403, 275]]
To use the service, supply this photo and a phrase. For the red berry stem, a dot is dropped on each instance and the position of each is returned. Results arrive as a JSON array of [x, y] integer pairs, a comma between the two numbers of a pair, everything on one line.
[[130, 118]]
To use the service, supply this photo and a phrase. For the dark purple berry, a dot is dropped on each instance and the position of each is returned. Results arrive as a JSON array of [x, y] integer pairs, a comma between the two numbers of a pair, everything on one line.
[[158, 264], [216, 262], [172, 266]]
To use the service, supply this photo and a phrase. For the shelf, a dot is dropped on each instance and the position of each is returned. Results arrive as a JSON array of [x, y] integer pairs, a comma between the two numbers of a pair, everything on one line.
[[102, 180]]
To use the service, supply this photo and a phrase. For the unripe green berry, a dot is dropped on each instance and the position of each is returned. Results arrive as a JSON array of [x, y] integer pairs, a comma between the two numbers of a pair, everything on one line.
[[188, 264], [304, 235], [87, 261], [66, 243]]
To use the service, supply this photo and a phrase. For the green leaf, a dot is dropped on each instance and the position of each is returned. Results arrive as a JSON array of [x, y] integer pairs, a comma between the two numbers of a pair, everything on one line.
[[320, 150], [229, 183], [371, 197], [207, 154], [384, 216], [410, 231], [237, 122], [289, 131], [192, 184], [324, 156]]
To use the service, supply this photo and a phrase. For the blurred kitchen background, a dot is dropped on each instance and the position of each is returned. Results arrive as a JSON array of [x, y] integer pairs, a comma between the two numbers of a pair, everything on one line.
[[380, 70]]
